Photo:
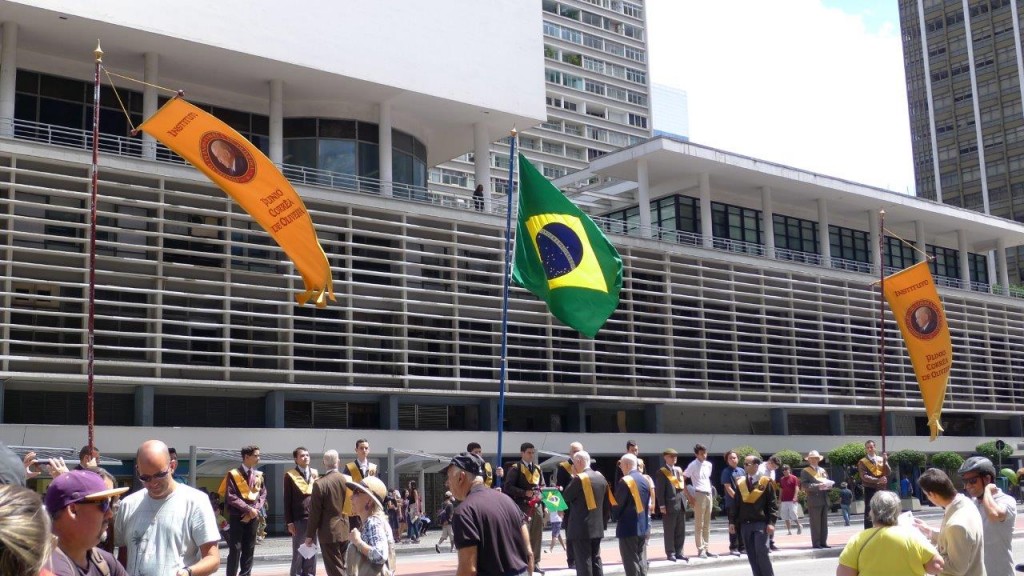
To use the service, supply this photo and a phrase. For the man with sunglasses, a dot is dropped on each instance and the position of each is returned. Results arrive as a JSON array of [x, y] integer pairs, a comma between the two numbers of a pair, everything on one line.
[[168, 528], [998, 514], [79, 502]]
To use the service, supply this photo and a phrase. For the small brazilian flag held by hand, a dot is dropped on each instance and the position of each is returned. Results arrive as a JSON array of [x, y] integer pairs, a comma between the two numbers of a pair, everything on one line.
[[553, 500], [562, 256]]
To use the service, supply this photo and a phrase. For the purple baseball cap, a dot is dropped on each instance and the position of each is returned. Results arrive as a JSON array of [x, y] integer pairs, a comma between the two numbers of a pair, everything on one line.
[[77, 486]]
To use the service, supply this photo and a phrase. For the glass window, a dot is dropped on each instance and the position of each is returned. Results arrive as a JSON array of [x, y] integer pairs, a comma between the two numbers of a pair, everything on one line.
[[897, 254], [344, 129], [369, 160], [736, 223], [337, 156], [796, 234], [849, 244], [300, 152]]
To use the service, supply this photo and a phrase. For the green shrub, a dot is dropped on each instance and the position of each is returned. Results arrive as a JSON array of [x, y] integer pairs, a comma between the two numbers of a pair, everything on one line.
[[909, 458], [948, 461], [791, 457], [744, 451], [988, 450], [847, 455]]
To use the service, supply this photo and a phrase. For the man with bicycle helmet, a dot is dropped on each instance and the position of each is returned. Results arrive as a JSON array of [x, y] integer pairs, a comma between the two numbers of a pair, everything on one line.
[[998, 513]]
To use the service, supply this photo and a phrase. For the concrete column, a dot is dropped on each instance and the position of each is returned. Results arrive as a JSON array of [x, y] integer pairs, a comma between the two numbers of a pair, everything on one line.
[[999, 260], [3, 389], [824, 245], [274, 404], [768, 222], [8, 74], [643, 198], [706, 229], [384, 149], [482, 163], [276, 121], [875, 236], [489, 415], [919, 241], [890, 424], [963, 259], [389, 412], [836, 423], [150, 101], [654, 416], [144, 405], [577, 417], [780, 421], [273, 475], [1017, 425]]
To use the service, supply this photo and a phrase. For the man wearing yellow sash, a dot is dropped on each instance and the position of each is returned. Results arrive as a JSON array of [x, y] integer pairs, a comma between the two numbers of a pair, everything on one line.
[[563, 476], [632, 497], [874, 475], [490, 473], [245, 496], [298, 488], [671, 497], [523, 483], [587, 497], [755, 514], [814, 481], [357, 469]]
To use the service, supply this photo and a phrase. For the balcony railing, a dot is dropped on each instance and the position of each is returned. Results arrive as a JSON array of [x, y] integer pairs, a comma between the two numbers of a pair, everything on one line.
[[137, 148]]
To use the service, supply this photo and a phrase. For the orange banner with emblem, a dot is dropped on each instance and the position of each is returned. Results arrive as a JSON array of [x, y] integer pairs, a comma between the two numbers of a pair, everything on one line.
[[915, 304], [252, 180]]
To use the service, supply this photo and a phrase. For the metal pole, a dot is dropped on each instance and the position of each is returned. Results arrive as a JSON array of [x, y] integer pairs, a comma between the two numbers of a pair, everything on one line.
[[881, 317], [192, 463], [90, 354], [504, 303]]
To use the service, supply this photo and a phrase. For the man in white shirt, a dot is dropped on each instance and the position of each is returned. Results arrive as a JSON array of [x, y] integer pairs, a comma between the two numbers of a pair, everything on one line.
[[168, 528], [960, 537], [699, 475], [998, 514]]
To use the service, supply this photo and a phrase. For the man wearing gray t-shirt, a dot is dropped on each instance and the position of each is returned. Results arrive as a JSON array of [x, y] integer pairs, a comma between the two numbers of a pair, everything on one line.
[[998, 514], [168, 528]]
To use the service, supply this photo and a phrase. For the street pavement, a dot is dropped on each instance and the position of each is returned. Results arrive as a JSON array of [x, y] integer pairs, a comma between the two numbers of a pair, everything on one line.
[[274, 554]]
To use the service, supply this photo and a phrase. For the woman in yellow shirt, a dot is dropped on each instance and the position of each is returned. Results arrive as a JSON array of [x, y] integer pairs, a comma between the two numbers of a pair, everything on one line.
[[888, 549]]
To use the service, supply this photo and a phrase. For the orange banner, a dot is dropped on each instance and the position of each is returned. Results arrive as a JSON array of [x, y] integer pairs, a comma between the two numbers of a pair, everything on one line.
[[915, 304], [252, 180]]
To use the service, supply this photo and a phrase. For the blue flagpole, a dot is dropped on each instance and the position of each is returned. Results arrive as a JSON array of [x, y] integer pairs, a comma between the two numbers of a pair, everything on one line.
[[504, 301]]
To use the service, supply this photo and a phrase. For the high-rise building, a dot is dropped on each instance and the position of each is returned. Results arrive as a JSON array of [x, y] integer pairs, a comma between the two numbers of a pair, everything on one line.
[[597, 94], [965, 87], [670, 111]]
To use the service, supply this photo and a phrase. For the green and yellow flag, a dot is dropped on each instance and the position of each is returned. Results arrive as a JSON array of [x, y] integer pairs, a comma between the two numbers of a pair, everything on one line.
[[552, 499], [562, 256]]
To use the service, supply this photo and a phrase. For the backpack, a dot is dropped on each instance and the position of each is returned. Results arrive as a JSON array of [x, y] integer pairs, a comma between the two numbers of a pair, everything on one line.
[[442, 515]]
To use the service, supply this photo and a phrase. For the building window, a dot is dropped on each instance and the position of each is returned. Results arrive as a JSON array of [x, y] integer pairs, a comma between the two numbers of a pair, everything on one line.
[[736, 223], [849, 244], [795, 234], [898, 255], [978, 264], [946, 261]]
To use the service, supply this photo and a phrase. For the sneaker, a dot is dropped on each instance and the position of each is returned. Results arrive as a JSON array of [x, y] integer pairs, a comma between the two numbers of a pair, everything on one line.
[[734, 552], [712, 555], [703, 555], [437, 548], [798, 529], [773, 547]]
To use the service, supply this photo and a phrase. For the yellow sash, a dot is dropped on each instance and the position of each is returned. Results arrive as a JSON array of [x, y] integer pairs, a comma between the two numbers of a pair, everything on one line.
[[532, 478], [751, 496], [356, 475], [300, 482], [247, 493], [872, 466], [488, 474], [820, 474], [672, 478], [567, 466], [611, 496], [588, 491], [631, 484]]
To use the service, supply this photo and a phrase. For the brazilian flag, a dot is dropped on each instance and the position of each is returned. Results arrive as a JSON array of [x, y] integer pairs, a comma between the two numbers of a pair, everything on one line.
[[562, 256], [553, 500]]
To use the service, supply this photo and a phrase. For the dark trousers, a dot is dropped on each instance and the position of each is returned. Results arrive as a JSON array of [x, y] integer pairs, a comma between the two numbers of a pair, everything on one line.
[[300, 565], [735, 537], [334, 558], [756, 538], [633, 550], [570, 554], [241, 545], [868, 493], [588, 556], [674, 524], [817, 518], [536, 527]]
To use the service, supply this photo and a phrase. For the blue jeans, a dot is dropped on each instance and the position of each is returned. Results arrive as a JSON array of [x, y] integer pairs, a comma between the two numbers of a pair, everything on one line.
[[846, 513]]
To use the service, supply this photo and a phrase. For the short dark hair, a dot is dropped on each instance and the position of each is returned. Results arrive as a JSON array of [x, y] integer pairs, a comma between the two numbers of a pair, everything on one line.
[[361, 440], [726, 455], [526, 446], [173, 453], [473, 446], [630, 444], [86, 451], [699, 448], [936, 481], [295, 453], [775, 460], [249, 450]]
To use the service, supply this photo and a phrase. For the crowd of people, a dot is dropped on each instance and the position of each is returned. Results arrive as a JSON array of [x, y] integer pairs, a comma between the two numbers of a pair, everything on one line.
[[492, 517]]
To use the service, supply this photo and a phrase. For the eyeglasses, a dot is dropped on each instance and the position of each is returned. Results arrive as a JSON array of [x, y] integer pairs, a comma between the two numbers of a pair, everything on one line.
[[972, 481], [157, 476], [103, 504]]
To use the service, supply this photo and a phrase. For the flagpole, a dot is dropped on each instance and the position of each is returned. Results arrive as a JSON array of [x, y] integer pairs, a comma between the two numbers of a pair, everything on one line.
[[90, 354], [881, 316], [504, 300]]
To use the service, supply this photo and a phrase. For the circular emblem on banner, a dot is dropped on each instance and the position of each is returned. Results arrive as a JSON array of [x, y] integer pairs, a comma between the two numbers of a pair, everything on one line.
[[561, 250], [227, 157], [923, 319]]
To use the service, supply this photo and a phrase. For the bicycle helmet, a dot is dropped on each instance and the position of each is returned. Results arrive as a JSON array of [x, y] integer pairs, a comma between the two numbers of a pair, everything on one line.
[[978, 464]]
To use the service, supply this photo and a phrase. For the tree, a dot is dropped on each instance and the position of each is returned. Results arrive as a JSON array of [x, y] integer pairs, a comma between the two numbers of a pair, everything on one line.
[[744, 451], [988, 450], [950, 462], [847, 455], [790, 457], [907, 459]]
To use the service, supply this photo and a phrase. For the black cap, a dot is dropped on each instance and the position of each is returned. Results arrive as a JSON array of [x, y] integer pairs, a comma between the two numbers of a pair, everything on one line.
[[469, 462]]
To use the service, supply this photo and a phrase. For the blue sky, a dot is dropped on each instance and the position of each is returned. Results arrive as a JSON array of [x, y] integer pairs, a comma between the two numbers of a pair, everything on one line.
[[814, 84]]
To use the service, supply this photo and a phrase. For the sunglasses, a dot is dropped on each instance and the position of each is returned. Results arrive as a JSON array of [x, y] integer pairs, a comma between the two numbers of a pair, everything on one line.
[[151, 477], [972, 481], [103, 504]]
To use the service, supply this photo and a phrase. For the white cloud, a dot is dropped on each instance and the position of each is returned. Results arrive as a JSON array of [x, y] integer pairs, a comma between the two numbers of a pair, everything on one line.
[[791, 82]]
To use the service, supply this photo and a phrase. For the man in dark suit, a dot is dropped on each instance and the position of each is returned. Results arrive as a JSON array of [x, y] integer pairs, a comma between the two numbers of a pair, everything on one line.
[[298, 489], [326, 520], [670, 496], [245, 496], [587, 497], [564, 475], [632, 502], [523, 482]]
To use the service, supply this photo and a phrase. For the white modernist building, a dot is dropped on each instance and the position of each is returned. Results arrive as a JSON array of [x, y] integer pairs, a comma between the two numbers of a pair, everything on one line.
[[739, 322]]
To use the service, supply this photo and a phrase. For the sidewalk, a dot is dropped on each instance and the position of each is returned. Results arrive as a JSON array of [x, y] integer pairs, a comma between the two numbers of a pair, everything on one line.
[[278, 549]]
